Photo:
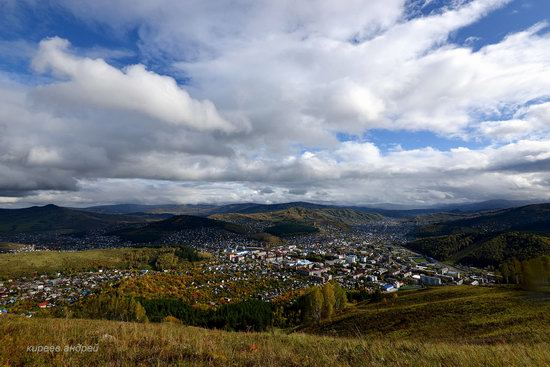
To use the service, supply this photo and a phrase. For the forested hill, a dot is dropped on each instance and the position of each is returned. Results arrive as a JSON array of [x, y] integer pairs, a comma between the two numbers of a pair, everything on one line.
[[488, 238], [156, 230], [54, 218], [339, 218], [530, 218], [483, 249]]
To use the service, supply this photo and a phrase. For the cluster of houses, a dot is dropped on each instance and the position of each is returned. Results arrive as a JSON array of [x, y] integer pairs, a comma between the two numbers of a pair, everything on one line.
[[246, 274], [40, 241], [357, 263], [357, 259], [48, 291], [17, 248]]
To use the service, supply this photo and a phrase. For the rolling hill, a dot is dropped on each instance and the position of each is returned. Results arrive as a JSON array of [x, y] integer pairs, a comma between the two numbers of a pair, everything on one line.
[[174, 209], [530, 218], [488, 238], [339, 218], [156, 230], [483, 249], [52, 218]]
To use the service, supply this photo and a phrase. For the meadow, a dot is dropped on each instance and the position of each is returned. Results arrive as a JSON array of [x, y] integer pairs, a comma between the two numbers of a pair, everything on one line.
[[481, 315], [13, 265], [169, 344]]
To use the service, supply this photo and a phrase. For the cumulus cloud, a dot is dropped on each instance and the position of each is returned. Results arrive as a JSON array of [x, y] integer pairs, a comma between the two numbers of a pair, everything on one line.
[[94, 83], [269, 87]]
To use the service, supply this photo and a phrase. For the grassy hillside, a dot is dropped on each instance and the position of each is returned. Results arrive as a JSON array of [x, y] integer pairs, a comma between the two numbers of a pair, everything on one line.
[[25, 264], [168, 344], [462, 314], [53, 218]]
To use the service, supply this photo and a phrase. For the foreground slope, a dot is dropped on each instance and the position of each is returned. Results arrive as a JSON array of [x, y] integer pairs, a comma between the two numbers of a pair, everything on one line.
[[130, 344], [449, 326], [465, 314]]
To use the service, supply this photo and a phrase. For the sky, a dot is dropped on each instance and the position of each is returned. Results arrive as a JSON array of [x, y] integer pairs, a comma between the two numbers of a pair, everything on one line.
[[416, 102]]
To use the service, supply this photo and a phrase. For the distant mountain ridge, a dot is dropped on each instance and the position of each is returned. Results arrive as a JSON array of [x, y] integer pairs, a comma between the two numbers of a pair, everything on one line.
[[388, 210]]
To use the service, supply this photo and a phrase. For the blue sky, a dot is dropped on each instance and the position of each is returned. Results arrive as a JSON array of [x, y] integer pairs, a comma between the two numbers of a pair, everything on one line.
[[258, 101], [33, 22], [514, 17]]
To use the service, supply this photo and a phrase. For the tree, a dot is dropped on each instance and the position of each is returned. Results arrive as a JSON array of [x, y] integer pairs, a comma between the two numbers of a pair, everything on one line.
[[166, 261], [187, 253], [506, 272], [329, 301], [313, 306], [341, 298], [376, 296], [516, 270], [139, 313]]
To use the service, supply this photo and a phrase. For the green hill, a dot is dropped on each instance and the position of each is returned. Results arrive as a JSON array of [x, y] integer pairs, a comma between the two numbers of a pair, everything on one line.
[[483, 249], [290, 229], [530, 218], [450, 326], [335, 217], [54, 218], [156, 230], [488, 238]]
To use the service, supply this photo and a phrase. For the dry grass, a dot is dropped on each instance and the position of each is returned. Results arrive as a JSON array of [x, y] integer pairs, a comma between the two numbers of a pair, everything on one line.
[[130, 344], [449, 314]]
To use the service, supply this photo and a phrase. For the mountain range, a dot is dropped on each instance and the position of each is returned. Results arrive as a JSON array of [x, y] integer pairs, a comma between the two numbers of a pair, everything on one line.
[[482, 238], [387, 210]]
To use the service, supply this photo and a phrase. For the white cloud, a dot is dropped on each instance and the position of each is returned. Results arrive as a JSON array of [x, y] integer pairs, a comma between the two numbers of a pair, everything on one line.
[[94, 83], [271, 83]]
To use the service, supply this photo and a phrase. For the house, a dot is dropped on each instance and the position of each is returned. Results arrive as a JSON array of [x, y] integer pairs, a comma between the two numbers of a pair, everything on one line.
[[388, 288], [43, 304], [424, 279], [372, 278], [454, 274]]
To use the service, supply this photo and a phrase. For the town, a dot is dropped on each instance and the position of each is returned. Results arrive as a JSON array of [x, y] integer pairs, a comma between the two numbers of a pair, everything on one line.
[[367, 258]]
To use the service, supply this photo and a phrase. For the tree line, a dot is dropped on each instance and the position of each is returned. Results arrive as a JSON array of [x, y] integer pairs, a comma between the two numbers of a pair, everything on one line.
[[315, 305], [250, 315]]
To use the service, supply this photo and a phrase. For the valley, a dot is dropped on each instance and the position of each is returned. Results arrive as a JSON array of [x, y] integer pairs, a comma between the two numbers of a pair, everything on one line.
[[398, 279]]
